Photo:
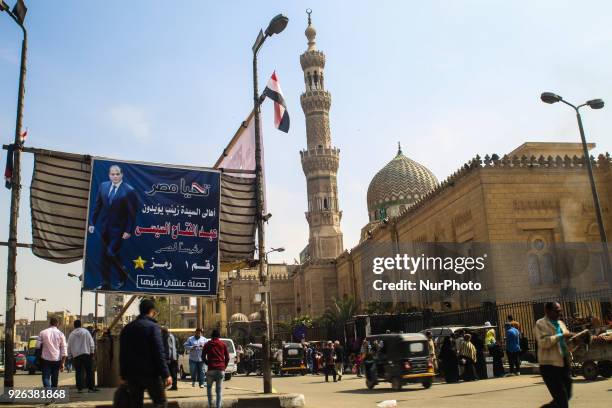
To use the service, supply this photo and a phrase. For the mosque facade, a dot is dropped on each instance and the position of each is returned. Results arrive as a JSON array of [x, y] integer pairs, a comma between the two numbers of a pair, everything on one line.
[[531, 210]]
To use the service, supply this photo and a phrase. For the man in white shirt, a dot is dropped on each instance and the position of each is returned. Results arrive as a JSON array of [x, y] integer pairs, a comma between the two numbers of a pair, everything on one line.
[[81, 347], [53, 355]]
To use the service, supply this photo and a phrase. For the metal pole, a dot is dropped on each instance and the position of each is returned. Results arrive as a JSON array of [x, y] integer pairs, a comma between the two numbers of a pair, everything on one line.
[[81, 306], [11, 271], [263, 279], [96, 311], [602, 231], [35, 303]]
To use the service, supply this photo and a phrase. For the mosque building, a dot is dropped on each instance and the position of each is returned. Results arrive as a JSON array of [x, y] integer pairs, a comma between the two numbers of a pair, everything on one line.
[[530, 210]]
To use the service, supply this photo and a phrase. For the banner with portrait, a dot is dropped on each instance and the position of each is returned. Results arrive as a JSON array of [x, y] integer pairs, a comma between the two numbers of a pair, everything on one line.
[[152, 229]]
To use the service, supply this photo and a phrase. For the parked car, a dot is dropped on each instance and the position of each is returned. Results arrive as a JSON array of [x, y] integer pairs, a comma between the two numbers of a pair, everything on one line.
[[230, 370]]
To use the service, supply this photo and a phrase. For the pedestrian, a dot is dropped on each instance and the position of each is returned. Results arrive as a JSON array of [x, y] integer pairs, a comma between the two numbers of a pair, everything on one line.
[[339, 362], [171, 356], [432, 350], [310, 359], [216, 357], [142, 359], [513, 348], [194, 345], [514, 323], [328, 360], [490, 335], [449, 364], [553, 355], [481, 363], [52, 343], [81, 347], [496, 351], [468, 354]]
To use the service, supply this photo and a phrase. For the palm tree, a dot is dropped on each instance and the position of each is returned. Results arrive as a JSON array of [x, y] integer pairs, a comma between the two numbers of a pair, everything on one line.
[[341, 311]]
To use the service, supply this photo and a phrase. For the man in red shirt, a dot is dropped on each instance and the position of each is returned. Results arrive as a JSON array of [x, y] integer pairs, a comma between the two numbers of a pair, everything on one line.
[[216, 357]]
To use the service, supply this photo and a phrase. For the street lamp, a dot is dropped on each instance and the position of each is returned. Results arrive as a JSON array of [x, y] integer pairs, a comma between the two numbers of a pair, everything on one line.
[[550, 98], [80, 278], [18, 15], [276, 26], [35, 300]]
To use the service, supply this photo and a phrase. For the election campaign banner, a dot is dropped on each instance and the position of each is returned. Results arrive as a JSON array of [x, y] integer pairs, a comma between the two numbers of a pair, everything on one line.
[[152, 229]]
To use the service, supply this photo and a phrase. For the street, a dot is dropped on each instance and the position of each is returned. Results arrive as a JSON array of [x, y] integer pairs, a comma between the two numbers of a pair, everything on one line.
[[524, 391]]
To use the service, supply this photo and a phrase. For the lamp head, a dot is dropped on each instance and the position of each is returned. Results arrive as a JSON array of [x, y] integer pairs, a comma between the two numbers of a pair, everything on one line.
[[277, 25], [549, 97], [281, 249], [596, 103]]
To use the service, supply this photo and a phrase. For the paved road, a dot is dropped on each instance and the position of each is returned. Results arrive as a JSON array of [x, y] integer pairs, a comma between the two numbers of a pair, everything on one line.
[[521, 392]]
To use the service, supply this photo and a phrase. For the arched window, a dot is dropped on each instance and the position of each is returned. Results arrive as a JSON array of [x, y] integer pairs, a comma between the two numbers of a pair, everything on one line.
[[325, 204], [540, 263]]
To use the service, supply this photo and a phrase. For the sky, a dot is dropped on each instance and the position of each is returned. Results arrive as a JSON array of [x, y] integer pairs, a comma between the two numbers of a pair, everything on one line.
[[171, 82]]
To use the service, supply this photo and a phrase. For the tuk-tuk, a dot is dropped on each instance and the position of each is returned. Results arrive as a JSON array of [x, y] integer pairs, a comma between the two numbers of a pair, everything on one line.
[[293, 359], [253, 356], [399, 359]]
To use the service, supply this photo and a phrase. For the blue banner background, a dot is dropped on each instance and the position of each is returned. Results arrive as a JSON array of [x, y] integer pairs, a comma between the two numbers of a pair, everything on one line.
[[172, 216]]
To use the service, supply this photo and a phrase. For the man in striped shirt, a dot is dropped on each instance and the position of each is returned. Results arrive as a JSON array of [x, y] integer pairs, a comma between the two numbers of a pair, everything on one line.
[[467, 352]]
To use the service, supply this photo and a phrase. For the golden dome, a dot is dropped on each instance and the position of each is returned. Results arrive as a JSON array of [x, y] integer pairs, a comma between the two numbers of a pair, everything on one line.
[[238, 317]]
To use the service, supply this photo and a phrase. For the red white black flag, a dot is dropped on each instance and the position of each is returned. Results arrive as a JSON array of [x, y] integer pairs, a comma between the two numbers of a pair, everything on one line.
[[274, 92]]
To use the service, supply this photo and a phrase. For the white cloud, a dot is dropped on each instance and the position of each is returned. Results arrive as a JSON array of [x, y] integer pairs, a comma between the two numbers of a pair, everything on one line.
[[131, 119]]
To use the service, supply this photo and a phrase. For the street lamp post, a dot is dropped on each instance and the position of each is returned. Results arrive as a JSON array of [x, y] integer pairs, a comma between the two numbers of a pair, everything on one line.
[[80, 278], [276, 26], [18, 15], [271, 322], [35, 300], [549, 97]]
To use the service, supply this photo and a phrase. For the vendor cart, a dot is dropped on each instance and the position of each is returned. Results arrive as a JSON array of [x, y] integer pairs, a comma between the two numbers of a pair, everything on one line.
[[595, 358]]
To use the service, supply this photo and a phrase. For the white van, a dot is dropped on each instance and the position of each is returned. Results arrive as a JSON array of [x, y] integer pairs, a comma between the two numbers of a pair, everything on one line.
[[229, 370]]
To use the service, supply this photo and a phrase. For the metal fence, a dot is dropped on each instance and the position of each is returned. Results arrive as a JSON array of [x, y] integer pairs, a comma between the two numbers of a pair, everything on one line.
[[575, 306]]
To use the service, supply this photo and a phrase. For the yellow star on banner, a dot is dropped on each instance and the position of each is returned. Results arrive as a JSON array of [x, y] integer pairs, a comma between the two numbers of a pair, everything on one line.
[[139, 262]]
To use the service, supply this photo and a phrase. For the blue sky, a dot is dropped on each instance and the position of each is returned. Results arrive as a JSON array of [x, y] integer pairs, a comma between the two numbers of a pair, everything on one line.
[[171, 82]]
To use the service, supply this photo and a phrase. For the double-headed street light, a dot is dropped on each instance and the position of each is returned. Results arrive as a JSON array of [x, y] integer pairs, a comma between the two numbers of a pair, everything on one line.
[[550, 98], [80, 278], [18, 15], [35, 300], [276, 26]]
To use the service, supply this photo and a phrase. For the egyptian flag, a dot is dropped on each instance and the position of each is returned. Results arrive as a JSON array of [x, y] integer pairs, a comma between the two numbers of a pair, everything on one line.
[[8, 170], [274, 92]]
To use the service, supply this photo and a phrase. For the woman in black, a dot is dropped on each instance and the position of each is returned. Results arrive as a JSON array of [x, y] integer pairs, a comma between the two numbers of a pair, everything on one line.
[[448, 355], [481, 363], [498, 355]]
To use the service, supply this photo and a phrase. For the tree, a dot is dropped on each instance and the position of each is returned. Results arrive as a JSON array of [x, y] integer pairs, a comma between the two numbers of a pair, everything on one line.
[[341, 312], [168, 313]]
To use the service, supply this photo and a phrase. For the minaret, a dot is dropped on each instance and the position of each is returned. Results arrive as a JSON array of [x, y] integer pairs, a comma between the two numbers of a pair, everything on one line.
[[320, 160]]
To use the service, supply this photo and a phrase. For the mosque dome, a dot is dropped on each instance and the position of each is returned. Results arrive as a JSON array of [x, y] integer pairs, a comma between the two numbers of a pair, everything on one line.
[[397, 186], [238, 317], [254, 317]]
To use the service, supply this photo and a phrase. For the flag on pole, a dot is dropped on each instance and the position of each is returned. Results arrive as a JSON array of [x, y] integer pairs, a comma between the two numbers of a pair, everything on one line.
[[8, 170], [274, 92]]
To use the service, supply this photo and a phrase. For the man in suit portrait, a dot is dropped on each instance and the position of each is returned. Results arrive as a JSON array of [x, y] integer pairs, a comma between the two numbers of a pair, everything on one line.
[[113, 219]]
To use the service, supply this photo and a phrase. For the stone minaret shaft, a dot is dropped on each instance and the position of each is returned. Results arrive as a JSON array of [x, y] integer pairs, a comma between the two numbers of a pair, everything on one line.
[[320, 159]]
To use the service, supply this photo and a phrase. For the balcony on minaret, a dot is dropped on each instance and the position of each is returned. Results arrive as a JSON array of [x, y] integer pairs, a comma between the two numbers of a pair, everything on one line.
[[320, 159]]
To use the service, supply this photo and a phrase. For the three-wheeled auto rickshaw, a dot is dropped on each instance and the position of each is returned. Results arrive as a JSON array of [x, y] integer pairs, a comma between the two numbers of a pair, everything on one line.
[[399, 359], [294, 359], [253, 357]]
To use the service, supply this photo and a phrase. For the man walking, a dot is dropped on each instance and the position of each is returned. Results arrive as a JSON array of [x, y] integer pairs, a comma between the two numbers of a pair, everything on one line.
[[194, 345], [171, 356], [81, 348], [513, 348], [216, 357], [142, 360], [53, 355], [553, 355], [328, 360], [339, 363]]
